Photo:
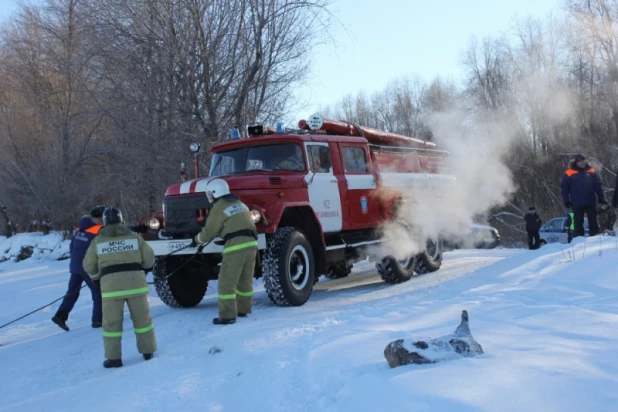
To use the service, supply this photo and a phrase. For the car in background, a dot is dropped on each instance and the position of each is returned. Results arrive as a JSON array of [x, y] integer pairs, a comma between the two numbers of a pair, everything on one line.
[[478, 237], [554, 231]]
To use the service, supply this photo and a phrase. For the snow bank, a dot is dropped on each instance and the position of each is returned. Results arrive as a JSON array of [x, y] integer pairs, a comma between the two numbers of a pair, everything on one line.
[[37, 245]]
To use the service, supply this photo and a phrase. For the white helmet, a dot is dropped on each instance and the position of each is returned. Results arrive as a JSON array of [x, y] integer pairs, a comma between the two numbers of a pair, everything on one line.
[[216, 188]]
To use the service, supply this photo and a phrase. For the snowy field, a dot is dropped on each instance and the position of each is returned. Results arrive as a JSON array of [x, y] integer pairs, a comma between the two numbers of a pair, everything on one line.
[[547, 321]]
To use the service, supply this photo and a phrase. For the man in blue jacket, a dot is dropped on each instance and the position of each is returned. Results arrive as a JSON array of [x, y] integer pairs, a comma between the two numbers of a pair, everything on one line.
[[88, 229], [580, 188]]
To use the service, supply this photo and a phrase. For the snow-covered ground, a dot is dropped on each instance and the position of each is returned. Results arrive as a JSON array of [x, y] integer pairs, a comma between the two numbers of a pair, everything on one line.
[[547, 321]]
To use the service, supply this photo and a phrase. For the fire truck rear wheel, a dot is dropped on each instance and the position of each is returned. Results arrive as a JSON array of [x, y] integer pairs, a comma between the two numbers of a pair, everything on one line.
[[288, 267], [393, 271], [185, 288], [431, 259]]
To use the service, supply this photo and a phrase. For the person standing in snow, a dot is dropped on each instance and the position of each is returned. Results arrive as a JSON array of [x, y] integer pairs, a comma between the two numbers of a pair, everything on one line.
[[533, 224], [229, 219], [580, 187], [117, 258], [88, 229]]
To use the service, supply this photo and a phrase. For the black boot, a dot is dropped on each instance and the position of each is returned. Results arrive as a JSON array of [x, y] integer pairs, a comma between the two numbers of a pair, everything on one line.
[[242, 315], [112, 363], [60, 322], [221, 321], [147, 356], [96, 324]]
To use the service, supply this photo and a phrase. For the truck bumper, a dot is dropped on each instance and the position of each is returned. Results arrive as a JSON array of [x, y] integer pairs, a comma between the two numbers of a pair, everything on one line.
[[165, 247]]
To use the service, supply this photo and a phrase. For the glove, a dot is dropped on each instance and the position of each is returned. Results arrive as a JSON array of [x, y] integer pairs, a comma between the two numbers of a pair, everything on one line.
[[603, 202], [193, 243], [567, 204], [97, 282]]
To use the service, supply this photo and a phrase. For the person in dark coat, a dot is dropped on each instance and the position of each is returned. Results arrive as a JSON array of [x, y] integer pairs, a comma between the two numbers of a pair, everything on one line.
[[533, 224], [580, 189], [88, 229]]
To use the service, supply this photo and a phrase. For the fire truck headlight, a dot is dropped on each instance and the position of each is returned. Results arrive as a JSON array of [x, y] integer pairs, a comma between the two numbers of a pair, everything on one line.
[[154, 223], [255, 216]]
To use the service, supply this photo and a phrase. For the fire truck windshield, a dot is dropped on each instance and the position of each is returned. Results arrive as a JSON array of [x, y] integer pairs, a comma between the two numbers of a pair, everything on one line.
[[283, 156]]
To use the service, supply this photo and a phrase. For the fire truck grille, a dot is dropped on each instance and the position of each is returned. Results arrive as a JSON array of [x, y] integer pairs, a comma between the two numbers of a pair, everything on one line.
[[185, 216]]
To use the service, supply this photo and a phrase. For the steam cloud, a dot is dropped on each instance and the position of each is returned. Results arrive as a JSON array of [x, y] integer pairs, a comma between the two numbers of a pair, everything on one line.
[[479, 149]]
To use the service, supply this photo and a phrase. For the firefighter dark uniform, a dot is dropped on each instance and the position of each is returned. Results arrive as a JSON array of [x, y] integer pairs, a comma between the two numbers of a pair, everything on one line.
[[230, 219], [88, 228], [117, 258]]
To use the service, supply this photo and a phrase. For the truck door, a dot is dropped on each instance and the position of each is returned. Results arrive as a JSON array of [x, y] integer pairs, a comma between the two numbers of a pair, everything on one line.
[[323, 187], [363, 209]]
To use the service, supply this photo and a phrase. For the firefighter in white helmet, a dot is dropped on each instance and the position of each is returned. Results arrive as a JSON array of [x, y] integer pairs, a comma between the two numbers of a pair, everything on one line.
[[230, 219]]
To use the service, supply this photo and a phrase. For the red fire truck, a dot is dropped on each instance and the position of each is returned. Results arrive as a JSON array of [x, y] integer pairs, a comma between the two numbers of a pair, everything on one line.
[[319, 196]]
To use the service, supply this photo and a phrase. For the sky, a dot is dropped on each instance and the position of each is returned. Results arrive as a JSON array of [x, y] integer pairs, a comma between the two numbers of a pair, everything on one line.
[[377, 41], [6, 8], [381, 41]]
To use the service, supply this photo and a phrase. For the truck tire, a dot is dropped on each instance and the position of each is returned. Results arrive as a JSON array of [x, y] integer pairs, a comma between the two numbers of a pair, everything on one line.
[[288, 267], [338, 271], [185, 288], [431, 258], [394, 271]]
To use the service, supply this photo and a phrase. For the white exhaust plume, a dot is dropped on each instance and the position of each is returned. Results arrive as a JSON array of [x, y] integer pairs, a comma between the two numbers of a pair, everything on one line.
[[479, 151]]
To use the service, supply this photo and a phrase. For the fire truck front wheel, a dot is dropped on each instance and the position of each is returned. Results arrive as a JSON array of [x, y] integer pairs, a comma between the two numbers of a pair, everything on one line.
[[288, 267], [185, 288]]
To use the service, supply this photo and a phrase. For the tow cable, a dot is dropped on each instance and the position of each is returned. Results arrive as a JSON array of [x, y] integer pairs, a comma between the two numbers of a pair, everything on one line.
[[199, 250]]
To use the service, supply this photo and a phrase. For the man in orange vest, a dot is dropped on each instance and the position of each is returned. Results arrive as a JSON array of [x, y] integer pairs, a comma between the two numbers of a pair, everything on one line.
[[89, 226], [580, 187]]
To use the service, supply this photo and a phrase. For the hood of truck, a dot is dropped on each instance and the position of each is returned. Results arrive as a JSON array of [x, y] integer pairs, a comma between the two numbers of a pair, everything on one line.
[[240, 183]]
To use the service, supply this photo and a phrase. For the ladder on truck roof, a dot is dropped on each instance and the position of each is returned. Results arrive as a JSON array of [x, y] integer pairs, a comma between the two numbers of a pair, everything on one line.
[[375, 137]]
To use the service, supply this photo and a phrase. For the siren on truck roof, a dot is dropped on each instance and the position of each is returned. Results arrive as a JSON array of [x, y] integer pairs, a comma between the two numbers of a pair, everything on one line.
[[315, 122]]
